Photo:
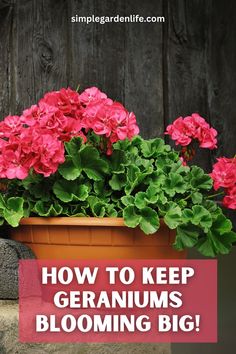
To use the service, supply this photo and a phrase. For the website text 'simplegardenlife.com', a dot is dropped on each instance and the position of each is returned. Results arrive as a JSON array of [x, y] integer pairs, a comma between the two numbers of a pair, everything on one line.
[[117, 19]]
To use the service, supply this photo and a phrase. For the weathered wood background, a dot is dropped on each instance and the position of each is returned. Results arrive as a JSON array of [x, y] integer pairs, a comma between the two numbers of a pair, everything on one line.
[[159, 71]]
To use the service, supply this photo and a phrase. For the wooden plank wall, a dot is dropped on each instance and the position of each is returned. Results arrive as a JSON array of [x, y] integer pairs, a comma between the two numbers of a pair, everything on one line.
[[159, 71]]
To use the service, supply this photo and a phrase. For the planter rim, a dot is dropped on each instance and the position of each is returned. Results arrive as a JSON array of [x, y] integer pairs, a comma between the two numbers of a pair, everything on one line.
[[73, 221], [76, 221]]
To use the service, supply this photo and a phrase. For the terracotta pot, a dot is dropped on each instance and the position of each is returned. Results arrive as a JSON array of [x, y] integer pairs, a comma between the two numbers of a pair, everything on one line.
[[92, 238]]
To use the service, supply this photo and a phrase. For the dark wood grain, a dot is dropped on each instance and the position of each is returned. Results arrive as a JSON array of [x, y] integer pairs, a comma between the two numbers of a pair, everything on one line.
[[97, 50], [144, 67], [81, 54], [222, 78], [222, 74], [5, 57], [40, 49], [159, 71], [186, 66]]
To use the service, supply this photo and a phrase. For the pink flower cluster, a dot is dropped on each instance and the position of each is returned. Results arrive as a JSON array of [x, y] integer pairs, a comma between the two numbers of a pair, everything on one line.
[[28, 147], [224, 175], [107, 118], [35, 139], [194, 127]]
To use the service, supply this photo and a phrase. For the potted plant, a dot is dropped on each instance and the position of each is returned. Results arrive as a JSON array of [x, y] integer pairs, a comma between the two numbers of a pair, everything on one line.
[[79, 182]]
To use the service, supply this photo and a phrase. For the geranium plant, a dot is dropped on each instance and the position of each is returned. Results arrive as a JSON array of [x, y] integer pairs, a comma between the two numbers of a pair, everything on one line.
[[80, 155]]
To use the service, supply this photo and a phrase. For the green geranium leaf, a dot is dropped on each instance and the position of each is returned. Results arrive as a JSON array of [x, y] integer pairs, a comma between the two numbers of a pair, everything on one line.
[[41, 190], [196, 198], [2, 202], [202, 216], [83, 158], [92, 164], [219, 239], [211, 206], [100, 188], [222, 225], [115, 198], [149, 222], [131, 218], [118, 161], [99, 209], [92, 200], [122, 145], [137, 141], [66, 191], [135, 176], [212, 245], [174, 184], [166, 161], [69, 170], [33, 178], [152, 194], [127, 200], [43, 209], [153, 147], [15, 204], [199, 179], [117, 182], [179, 168], [173, 217], [198, 215], [228, 238], [165, 207], [140, 200], [162, 198], [79, 209], [133, 173], [156, 178], [14, 210], [111, 211], [206, 247], [186, 236], [146, 218], [145, 164], [73, 146]]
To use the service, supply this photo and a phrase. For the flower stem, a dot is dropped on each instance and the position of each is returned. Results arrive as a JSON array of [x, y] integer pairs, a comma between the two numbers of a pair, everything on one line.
[[188, 196], [215, 195]]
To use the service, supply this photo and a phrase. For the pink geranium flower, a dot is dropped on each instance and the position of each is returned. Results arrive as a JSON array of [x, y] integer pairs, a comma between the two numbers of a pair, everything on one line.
[[10, 125], [50, 153], [229, 200], [207, 138], [66, 100], [30, 116], [110, 119], [14, 160], [52, 118], [92, 94], [198, 121], [179, 132], [15, 168], [33, 149], [194, 127], [224, 173], [34, 141]]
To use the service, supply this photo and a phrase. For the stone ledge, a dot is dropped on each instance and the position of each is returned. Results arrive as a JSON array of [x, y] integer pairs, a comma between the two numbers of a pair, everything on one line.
[[9, 340]]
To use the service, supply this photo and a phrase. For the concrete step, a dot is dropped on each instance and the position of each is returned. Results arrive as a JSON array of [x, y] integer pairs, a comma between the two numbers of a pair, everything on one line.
[[9, 340]]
